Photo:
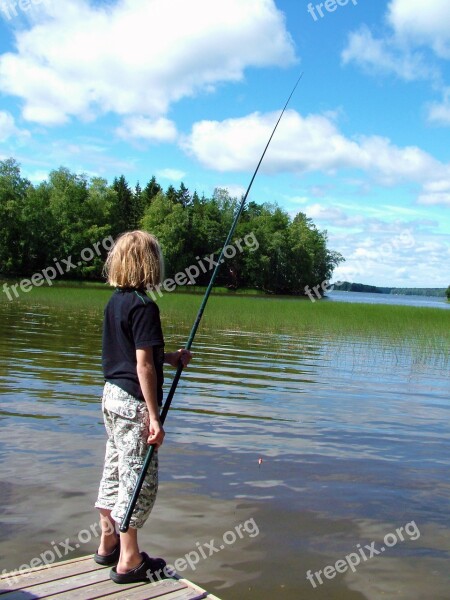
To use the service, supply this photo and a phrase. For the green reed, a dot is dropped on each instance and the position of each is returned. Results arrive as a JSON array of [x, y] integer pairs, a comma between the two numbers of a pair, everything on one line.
[[426, 328]]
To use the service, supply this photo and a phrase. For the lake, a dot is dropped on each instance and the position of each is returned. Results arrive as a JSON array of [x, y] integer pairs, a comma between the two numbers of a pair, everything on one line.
[[285, 454], [397, 299]]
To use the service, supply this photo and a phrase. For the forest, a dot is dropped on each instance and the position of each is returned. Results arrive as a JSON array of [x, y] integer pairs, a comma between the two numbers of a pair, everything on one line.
[[43, 224], [347, 286]]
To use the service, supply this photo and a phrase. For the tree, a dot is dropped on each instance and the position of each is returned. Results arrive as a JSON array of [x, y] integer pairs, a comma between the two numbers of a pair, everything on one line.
[[447, 292], [268, 268], [100, 204], [183, 195], [69, 208], [150, 191], [312, 262], [168, 221], [13, 195], [124, 213], [171, 194], [139, 206], [41, 241]]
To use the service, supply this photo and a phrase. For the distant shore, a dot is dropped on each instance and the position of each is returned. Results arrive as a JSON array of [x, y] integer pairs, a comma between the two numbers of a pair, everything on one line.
[[347, 286]]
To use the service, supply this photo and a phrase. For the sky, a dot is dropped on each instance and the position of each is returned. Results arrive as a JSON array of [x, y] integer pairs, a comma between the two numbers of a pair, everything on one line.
[[190, 91]]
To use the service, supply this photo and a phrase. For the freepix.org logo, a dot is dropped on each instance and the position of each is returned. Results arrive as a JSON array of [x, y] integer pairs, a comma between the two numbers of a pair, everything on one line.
[[362, 555], [330, 6], [61, 267], [12, 9]]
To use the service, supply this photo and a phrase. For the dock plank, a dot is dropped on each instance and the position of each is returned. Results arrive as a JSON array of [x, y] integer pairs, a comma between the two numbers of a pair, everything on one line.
[[141, 594], [55, 565], [105, 589], [64, 584], [196, 587], [83, 579], [50, 566], [42, 575]]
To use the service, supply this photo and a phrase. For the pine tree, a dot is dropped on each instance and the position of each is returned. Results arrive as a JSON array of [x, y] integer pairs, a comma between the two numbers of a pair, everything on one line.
[[150, 191], [172, 195], [124, 213], [183, 195], [139, 206]]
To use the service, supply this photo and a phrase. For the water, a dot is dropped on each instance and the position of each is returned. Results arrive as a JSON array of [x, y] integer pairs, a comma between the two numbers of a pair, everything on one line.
[[354, 442], [368, 298]]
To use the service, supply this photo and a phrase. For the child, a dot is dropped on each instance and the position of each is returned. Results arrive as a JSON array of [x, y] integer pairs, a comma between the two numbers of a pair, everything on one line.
[[133, 357]]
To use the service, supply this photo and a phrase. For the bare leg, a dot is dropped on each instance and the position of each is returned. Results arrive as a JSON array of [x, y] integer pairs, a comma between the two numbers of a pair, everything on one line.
[[109, 537], [130, 557]]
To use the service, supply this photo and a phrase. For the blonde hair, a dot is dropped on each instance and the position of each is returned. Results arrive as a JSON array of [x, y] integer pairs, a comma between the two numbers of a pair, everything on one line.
[[135, 261]]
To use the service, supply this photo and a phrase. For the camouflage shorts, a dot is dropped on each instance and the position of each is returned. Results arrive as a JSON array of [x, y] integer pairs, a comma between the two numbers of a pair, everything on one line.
[[127, 421]]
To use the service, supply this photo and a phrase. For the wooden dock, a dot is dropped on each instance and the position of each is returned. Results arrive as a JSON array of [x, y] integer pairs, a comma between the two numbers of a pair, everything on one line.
[[83, 579]]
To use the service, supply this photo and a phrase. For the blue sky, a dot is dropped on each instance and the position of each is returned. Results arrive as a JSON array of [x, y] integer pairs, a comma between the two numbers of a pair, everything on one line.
[[189, 91]]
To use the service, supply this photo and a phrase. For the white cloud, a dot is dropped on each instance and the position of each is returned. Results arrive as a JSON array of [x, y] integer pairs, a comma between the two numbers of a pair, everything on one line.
[[438, 186], [171, 174], [301, 144], [382, 251], [436, 193], [132, 57], [235, 190], [422, 23], [384, 56], [37, 177], [333, 215], [442, 199], [439, 112], [8, 127], [400, 253], [375, 221], [142, 128], [308, 144], [319, 191], [416, 28], [89, 155]]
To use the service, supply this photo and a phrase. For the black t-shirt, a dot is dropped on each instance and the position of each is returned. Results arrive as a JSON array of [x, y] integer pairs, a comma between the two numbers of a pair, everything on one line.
[[131, 322]]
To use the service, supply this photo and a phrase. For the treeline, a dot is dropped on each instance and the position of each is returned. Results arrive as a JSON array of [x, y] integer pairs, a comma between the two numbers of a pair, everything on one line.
[[40, 225], [438, 292], [347, 286]]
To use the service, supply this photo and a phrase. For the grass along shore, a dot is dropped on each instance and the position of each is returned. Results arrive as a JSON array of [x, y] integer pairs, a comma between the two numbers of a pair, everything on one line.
[[425, 328]]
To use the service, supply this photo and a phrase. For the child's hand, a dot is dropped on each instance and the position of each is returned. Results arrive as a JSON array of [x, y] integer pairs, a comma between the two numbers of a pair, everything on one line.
[[185, 356], [156, 434], [173, 358]]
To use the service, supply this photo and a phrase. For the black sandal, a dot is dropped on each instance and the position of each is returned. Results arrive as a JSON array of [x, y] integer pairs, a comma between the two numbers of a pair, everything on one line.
[[108, 560], [143, 572]]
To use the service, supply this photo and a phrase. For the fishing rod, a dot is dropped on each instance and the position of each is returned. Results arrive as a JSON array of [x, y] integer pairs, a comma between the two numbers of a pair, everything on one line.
[[124, 526]]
